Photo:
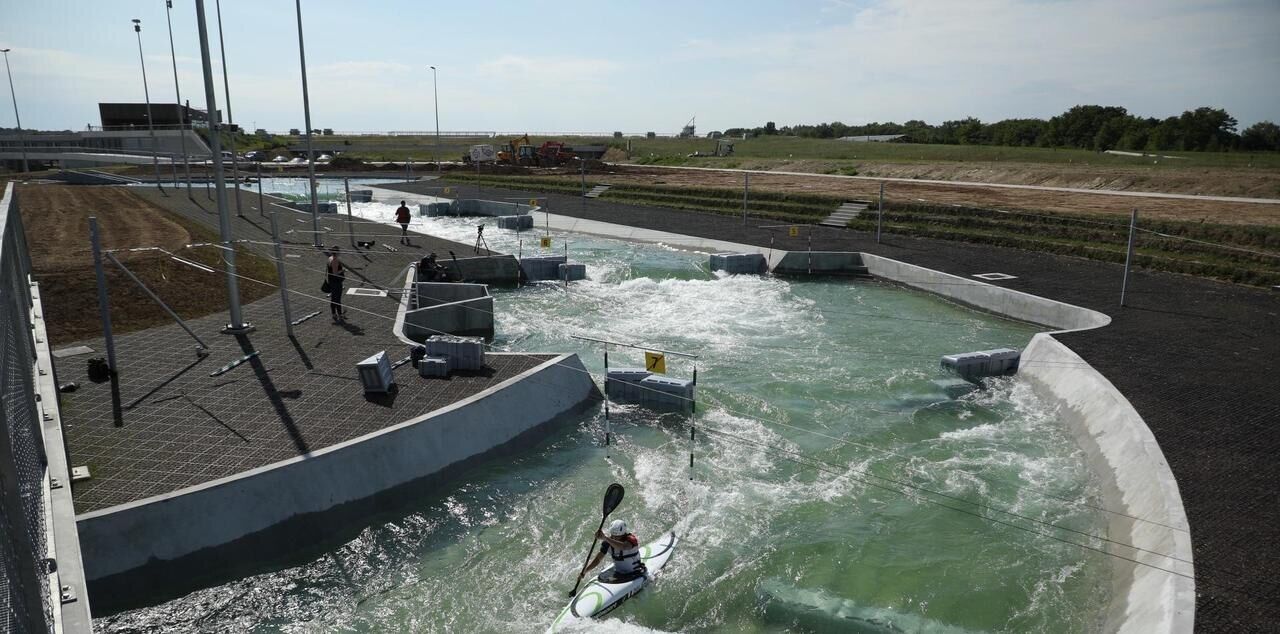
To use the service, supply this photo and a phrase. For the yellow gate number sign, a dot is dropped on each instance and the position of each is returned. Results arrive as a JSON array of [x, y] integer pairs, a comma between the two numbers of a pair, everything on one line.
[[448, 190], [794, 231], [546, 242], [655, 362], [533, 202]]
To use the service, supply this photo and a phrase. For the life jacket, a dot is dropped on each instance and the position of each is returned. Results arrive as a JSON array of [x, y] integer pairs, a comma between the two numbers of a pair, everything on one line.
[[625, 560]]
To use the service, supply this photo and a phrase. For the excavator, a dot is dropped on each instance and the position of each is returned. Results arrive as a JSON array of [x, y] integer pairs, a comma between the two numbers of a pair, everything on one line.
[[519, 151]]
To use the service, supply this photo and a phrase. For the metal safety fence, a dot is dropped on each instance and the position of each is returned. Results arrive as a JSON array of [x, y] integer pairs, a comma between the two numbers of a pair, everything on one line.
[[26, 602]]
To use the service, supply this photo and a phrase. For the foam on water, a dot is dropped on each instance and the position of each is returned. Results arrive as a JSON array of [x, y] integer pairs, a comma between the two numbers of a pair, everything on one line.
[[497, 549]]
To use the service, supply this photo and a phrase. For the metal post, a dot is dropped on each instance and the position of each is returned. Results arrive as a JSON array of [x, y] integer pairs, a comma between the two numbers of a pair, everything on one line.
[[408, 169], [22, 139], [182, 118], [156, 299], [811, 251], [261, 208], [746, 185], [231, 120], [306, 112], [607, 429], [1128, 256], [237, 325], [284, 286], [104, 308], [351, 231], [477, 180], [146, 92], [435, 96], [582, 169], [880, 213]]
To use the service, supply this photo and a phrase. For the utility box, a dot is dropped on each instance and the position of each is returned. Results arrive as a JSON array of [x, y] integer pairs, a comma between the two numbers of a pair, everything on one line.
[[375, 373], [433, 367], [463, 353]]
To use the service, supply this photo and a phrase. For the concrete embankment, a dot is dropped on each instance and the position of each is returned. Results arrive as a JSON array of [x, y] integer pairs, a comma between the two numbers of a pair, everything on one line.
[[147, 548]]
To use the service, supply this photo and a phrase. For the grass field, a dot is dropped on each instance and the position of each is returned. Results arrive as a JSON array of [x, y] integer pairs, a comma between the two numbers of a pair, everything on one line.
[[675, 151], [56, 218]]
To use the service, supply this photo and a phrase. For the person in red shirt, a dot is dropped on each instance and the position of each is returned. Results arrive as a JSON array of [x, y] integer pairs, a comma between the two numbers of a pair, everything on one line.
[[402, 217], [624, 547]]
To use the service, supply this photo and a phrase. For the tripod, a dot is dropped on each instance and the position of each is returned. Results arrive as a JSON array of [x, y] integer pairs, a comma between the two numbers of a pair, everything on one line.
[[480, 241]]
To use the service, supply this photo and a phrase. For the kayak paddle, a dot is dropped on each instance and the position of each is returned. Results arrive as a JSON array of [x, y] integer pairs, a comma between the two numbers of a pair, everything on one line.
[[612, 498]]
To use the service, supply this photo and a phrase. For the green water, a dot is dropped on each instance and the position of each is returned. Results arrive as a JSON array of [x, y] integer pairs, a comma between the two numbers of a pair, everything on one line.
[[789, 372]]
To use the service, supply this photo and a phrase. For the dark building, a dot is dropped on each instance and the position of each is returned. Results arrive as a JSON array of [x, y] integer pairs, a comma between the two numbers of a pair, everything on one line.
[[134, 115]]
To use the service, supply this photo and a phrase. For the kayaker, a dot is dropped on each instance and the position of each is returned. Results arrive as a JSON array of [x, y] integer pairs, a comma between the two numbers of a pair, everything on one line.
[[624, 547]]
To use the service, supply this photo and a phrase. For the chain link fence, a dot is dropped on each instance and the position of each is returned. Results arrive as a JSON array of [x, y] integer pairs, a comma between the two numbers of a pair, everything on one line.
[[26, 604]]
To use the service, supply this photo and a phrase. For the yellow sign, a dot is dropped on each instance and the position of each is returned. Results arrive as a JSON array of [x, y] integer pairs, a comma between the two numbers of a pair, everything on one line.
[[533, 202], [794, 231], [546, 242], [448, 190], [655, 362]]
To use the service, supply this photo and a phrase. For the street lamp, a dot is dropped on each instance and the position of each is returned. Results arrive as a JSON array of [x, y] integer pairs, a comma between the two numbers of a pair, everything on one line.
[[231, 121], [151, 128], [435, 95], [22, 140], [306, 113], [182, 112]]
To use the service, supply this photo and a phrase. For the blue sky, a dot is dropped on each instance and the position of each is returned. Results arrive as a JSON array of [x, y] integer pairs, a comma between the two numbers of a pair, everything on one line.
[[570, 66]]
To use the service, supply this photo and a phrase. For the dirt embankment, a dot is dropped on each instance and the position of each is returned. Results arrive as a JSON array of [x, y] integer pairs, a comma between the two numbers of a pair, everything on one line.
[[994, 197], [56, 219]]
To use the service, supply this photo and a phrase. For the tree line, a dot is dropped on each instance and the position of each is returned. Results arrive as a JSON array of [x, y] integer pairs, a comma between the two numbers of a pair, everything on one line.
[[1084, 127]]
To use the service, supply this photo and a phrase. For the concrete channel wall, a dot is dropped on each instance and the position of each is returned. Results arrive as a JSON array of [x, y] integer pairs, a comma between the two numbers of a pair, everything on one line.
[[151, 532], [989, 297], [1122, 452], [1135, 481], [820, 263]]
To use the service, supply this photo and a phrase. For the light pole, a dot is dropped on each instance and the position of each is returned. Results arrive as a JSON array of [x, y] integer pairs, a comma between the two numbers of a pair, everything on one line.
[[435, 96], [231, 120], [306, 113], [22, 139], [146, 92], [237, 325], [182, 116]]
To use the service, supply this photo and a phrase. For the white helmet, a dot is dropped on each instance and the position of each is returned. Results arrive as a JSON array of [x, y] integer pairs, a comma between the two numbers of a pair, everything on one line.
[[618, 528]]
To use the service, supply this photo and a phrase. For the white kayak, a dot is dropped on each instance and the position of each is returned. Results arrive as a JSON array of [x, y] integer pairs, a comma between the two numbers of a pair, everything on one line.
[[599, 598]]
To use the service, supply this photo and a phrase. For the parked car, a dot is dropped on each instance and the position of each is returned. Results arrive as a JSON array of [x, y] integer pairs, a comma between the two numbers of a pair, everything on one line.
[[298, 161], [279, 159], [324, 157]]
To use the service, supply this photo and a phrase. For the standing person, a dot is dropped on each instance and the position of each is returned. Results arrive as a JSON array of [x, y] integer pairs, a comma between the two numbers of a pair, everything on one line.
[[335, 276], [402, 217]]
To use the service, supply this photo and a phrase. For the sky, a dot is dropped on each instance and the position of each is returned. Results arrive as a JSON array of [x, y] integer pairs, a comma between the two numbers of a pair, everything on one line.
[[569, 66]]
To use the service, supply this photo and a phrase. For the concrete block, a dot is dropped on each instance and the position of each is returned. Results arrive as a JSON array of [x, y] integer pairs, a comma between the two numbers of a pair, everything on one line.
[[572, 271], [739, 263], [821, 263], [362, 195], [538, 268], [433, 367], [490, 269], [515, 223], [973, 366], [435, 209], [623, 384], [667, 393]]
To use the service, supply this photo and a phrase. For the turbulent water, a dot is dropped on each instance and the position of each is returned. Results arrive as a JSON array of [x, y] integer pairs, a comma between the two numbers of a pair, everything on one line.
[[808, 508]]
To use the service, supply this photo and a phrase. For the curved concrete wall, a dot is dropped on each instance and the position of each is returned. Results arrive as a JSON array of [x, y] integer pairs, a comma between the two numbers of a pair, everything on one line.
[[1136, 481], [217, 513], [1003, 301], [1121, 450]]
